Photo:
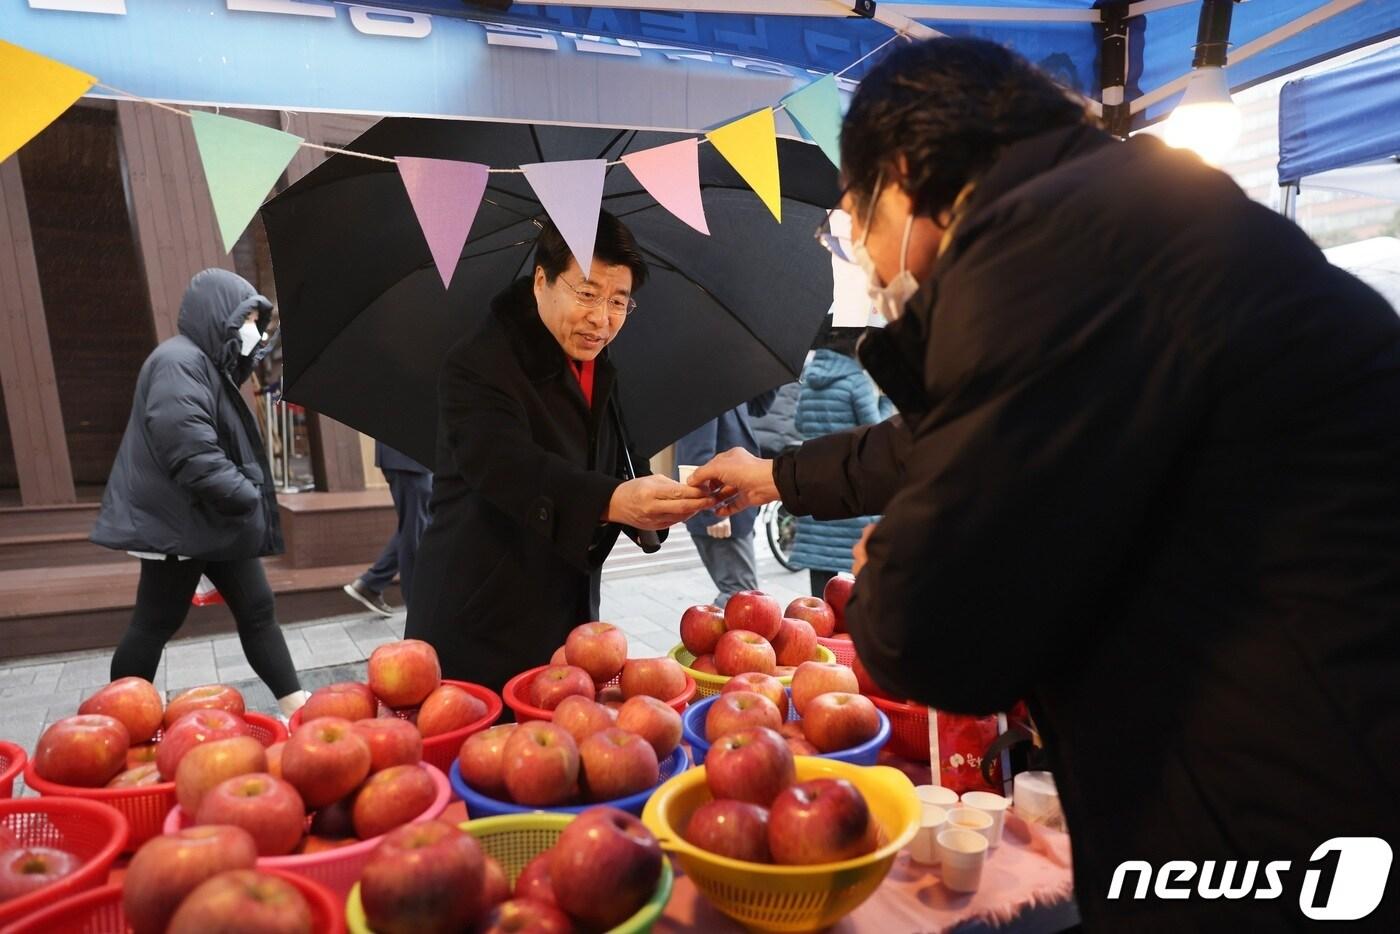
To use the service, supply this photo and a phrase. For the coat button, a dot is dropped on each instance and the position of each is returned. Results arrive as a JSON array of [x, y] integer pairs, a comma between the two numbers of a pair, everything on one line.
[[542, 515]]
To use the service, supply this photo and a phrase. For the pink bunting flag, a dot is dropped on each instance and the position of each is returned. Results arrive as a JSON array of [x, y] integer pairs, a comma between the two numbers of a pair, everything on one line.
[[571, 193], [671, 175], [446, 195]]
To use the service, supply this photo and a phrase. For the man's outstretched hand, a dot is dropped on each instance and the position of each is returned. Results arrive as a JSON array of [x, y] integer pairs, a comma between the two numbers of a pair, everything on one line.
[[654, 503], [738, 480]]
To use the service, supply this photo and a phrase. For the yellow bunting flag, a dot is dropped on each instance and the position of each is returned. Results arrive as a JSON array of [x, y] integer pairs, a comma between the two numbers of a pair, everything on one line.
[[751, 146], [35, 90]]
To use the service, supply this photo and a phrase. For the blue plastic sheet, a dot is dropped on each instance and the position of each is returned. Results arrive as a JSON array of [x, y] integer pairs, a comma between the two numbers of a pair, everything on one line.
[[1346, 117]]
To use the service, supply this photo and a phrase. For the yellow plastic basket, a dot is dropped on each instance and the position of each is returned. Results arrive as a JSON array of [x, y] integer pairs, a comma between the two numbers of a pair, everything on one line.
[[515, 839], [708, 685], [789, 898]]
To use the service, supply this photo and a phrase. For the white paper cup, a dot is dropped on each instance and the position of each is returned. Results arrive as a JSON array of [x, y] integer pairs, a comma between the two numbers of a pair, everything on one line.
[[683, 472], [994, 806], [1037, 799], [962, 853], [937, 796], [932, 821], [979, 822]]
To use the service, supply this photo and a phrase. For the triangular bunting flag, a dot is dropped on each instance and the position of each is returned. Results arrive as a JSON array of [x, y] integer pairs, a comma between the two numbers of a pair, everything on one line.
[[817, 110], [35, 90], [571, 193], [242, 161], [446, 195], [671, 175], [751, 146]]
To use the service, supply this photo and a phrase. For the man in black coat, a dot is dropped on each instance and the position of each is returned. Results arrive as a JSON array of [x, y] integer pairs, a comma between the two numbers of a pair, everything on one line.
[[530, 488], [1147, 477]]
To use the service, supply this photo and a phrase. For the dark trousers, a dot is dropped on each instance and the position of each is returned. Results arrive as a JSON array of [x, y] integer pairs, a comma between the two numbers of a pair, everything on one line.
[[163, 601], [412, 493], [731, 563], [819, 580]]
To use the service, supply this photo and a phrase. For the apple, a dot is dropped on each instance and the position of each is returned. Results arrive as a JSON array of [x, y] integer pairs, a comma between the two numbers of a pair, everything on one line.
[[654, 721], [662, 678], [325, 760], [424, 878], [825, 820], [616, 764], [526, 916], [837, 594], [598, 648], [274, 758], [795, 643], [403, 673], [541, 764], [867, 684], [815, 611], [736, 829], [244, 900], [741, 651], [268, 808], [611, 694], [25, 869], [349, 700], [560, 657], [792, 729], [193, 729], [335, 821], [390, 798], [86, 751], [553, 684], [767, 685], [800, 746], [482, 760], [581, 717], [133, 701], [705, 664], [140, 755], [495, 887], [604, 850], [147, 774], [814, 678], [839, 720], [534, 883], [209, 764], [753, 611], [785, 671], [753, 766], [449, 708], [206, 697], [391, 741], [167, 868], [701, 627], [738, 711]]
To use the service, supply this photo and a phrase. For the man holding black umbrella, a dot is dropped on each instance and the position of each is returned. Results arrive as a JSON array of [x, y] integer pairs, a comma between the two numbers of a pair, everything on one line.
[[533, 480]]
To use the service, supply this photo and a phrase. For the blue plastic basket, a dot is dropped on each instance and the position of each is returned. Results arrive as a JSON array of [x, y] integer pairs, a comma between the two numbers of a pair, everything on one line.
[[693, 727], [478, 805]]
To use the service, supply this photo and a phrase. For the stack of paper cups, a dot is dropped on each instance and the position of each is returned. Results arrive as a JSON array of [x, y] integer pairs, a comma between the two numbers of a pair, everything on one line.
[[1037, 800], [994, 806]]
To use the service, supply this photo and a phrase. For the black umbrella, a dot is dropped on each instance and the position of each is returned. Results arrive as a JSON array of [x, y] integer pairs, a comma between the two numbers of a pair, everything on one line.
[[367, 323]]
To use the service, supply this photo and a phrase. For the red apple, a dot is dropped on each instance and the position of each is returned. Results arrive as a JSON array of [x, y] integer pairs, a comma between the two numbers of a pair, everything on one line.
[[767, 685], [738, 711], [560, 657], [615, 764], [825, 820], [553, 684], [391, 741], [534, 883], [705, 664], [526, 916], [612, 694], [495, 887], [796, 642], [140, 755], [581, 717], [837, 594], [274, 758], [839, 720], [148, 774], [83, 751], [193, 729], [390, 798], [212, 763], [867, 684], [167, 868], [325, 760], [800, 746], [815, 611], [268, 808], [741, 651], [244, 900], [654, 721], [792, 729], [814, 678], [133, 701], [662, 678], [541, 764], [753, 611], [701, 627], [736, 829], [349, 700], [449, 708], [604, 850], [598, 648], [206, 697], [752, 766], [403, 673], [482, 760], [25, 869], [424, 878]]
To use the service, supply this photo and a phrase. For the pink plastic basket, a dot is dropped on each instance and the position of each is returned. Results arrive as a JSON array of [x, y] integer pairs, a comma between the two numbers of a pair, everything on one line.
[[12, 762], [94, 833], [841, 646], [145, 806], [517, 691], [338, 869]]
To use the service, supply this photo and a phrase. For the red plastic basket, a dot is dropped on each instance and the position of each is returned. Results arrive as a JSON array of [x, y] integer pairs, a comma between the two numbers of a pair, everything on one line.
[[145, 806], [100, 911], [908, 728], [441, 751], [841, 646], [338, 869], [517, 689], [12, 762], [95, 833]]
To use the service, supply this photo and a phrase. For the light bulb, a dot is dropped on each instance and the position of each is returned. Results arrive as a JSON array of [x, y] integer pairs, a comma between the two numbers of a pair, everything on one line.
[[1207, 120]]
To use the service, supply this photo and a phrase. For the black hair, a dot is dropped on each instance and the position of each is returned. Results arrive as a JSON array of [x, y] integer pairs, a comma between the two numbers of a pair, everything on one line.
[[841, 340], [615, 246], [948, 107]]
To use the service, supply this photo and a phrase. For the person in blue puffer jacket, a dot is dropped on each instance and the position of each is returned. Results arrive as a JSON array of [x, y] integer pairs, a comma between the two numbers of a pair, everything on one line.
[[836, 395]]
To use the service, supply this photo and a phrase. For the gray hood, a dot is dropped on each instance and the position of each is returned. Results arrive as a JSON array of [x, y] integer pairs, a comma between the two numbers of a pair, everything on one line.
[[212, 312]]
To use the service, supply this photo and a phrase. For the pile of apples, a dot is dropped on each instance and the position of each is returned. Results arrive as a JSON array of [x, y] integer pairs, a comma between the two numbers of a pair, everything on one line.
[[754, 634], [433, 878], [832, 714], [592, 656], [406, 677]]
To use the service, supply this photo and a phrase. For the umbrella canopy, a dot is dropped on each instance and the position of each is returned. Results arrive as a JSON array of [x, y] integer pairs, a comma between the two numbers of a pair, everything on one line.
[[366, 322]]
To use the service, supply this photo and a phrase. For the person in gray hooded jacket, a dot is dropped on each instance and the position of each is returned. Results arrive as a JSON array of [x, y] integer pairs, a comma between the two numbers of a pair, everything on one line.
[[190, 492]]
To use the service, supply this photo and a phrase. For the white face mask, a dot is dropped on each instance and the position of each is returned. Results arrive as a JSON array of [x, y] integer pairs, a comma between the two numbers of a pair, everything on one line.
[[249, 336], [889, 300]]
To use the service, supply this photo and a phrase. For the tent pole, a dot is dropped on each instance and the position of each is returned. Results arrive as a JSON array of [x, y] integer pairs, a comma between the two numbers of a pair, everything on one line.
[[1288, 201], [1113, 68]]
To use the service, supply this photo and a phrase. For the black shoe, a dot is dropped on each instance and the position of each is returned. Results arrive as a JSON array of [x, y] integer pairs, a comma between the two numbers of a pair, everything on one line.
[[372, 601]]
